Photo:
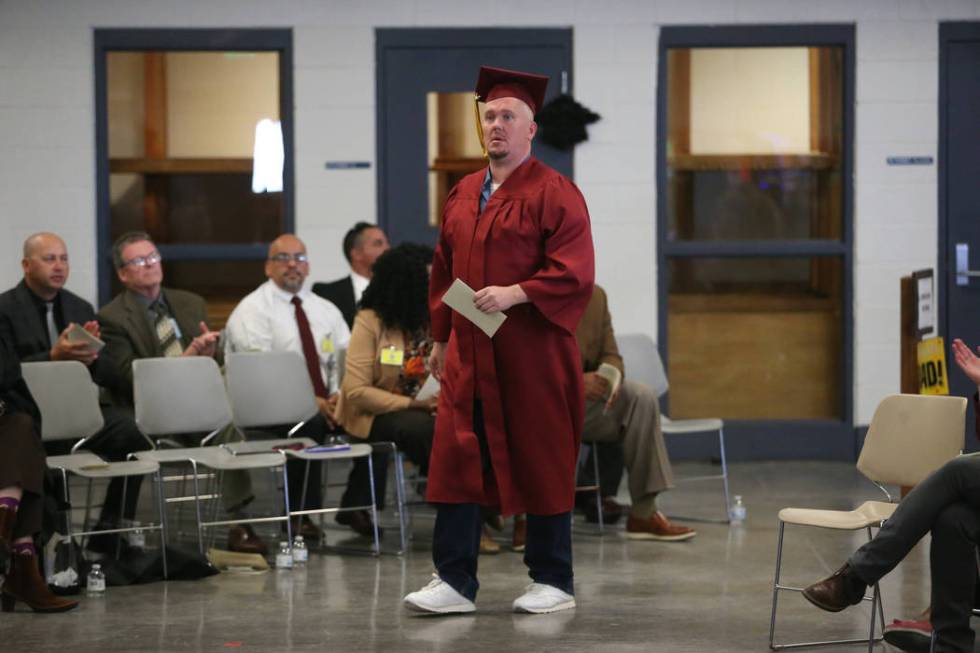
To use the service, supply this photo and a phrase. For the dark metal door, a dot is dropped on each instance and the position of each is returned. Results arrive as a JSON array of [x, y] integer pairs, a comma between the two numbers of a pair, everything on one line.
[[414, 62], [959, 195]]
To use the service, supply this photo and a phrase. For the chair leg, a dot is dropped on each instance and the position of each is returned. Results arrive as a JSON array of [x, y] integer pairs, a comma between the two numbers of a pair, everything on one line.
[[285, 499], [306, 483], [598, 488], [724, 472], [197, 508], [775, 586], [88, 505], [71, 540], [400, 499], [374, 506], [162, 508], [877, 610]]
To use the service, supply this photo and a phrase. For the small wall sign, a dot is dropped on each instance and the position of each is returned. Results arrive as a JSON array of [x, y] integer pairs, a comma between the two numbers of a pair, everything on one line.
[[909, 160]]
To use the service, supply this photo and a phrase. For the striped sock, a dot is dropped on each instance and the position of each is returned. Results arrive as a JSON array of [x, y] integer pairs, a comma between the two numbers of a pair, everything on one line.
[[24, 548]]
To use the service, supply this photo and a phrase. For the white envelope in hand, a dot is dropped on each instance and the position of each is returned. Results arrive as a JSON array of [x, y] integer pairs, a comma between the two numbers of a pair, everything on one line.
[[459, 297]]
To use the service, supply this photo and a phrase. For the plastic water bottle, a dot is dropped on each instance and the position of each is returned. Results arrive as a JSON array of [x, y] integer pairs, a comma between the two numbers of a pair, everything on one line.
[[284, 559], [737, 512], [96, 581], [300, 553]]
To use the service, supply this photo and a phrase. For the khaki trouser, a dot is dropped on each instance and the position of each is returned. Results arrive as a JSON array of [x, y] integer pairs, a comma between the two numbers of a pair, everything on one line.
[[634, 419]]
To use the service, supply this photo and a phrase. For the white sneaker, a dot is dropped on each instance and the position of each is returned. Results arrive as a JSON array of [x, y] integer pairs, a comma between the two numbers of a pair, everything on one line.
[[539, 599], [439, 597]]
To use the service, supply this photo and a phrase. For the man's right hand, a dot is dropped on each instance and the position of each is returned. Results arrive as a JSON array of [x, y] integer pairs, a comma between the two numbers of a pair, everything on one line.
[[68, 350], [596, 387], [437, 358]]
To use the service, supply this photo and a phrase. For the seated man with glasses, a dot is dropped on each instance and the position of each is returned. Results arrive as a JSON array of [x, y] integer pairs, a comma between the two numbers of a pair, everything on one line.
[[37, 317], [147, 320], [283, 315]]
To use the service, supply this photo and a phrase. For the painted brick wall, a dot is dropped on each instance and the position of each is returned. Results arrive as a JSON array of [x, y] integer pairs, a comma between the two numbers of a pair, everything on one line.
[[47, 176]]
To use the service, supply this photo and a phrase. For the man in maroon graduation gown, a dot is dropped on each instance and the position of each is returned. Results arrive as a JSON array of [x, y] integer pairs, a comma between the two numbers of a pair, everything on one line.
[[511, 407]]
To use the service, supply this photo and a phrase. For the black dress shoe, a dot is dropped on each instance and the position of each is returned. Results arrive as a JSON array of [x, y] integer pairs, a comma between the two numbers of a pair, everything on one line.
[[304, 526], [837, 592], [612, 512], [359, 522]]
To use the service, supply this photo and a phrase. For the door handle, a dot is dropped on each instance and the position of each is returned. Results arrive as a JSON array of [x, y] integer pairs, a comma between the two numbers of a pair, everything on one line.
[[963, 271]]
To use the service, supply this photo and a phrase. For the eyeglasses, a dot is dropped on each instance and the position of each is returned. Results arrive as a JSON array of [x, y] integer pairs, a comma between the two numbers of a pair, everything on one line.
[[144, 261], [283, 257]]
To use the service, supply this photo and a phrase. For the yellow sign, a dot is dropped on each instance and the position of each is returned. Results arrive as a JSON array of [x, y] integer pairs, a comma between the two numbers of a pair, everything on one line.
[[932, 367]]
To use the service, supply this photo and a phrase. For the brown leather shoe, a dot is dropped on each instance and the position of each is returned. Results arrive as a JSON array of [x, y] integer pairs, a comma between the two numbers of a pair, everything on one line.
[[359, 522], [487, 545], [520, 533], [836, 592], [24, 584], [657, 527], [242, 539]]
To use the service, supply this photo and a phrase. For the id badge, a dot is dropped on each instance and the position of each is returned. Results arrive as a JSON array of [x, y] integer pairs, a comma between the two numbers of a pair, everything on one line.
[[326, 345], [392, 356]]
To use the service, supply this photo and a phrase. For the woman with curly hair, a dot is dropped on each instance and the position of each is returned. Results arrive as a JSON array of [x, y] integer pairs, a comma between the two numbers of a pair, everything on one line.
[[385, 368]]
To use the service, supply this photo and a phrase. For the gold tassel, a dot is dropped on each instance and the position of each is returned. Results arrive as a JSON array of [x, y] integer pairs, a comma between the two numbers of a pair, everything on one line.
[[479, 125]]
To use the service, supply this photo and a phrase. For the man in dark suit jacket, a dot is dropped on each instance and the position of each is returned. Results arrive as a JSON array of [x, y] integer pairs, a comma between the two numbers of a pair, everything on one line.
[[363, 244], [35, 318], [147, 320]]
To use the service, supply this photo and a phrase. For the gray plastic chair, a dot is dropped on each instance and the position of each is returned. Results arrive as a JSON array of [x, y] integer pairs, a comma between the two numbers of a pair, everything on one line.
[[643, 364], [274, 388], [187, 395], [910, 437], [69, 405]]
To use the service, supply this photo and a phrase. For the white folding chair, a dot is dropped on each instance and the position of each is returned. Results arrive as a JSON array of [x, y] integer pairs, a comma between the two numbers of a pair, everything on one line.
[[69, 405], [643, 364], [183, 395], [910, 436], [272, 389]]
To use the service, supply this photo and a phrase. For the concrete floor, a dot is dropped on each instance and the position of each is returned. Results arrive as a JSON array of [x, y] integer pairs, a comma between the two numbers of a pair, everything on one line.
[[709, 594]]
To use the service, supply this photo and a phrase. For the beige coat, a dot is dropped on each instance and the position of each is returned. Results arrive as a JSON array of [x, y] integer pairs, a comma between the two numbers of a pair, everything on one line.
[[368, 386]]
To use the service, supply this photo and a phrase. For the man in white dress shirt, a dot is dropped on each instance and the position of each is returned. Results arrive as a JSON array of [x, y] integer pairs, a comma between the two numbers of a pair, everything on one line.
[[282, 315]]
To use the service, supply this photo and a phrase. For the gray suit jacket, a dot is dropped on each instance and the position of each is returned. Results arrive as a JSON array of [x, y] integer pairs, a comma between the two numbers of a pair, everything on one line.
[[128, 334]]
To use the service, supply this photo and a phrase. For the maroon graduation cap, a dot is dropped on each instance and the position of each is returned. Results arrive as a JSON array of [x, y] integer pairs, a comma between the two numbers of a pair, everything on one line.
[[496, 83]]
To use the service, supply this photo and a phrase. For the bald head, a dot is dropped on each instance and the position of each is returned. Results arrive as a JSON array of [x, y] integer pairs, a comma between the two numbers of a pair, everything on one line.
[[38, 241], [286, 264], [45, 264]]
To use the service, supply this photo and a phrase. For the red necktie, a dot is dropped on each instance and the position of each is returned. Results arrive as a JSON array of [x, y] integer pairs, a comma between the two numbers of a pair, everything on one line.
[[309, 349]]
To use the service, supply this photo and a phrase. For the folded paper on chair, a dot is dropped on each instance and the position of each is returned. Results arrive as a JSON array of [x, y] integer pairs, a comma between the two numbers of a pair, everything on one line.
[[459, 297]]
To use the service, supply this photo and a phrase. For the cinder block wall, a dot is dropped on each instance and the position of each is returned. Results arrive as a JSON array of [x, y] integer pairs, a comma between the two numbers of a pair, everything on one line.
[[47, 148]]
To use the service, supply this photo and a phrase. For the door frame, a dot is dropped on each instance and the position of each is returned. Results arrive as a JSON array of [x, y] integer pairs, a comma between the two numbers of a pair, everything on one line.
[[754, 439], [457, 38], [152, 39]]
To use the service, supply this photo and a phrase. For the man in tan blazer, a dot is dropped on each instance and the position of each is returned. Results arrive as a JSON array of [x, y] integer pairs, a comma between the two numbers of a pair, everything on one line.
[[147, 320], [630, 417]]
